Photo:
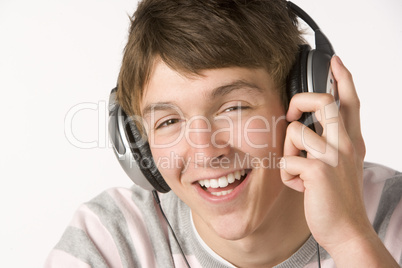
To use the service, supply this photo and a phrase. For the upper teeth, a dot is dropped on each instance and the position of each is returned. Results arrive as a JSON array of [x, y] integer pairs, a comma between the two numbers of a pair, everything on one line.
[[223, 181]]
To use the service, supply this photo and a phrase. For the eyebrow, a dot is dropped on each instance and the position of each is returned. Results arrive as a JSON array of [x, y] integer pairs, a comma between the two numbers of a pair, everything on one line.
[[216, 92], [159, 106], [236, 85]]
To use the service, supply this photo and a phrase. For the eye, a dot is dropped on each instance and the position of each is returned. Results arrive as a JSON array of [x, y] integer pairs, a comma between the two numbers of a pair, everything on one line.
[[236, 108], [168, 122]]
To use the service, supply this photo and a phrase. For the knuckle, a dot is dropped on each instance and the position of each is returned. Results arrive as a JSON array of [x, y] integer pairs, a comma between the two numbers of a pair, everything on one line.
[[326, 99], [348, 75], [357, 102], [360, 148], [293, 128]]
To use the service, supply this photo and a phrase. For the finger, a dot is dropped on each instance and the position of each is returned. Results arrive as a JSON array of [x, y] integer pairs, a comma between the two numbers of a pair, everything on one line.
[[289, 176], [296, 172], [326, 111], [322, 103], [350, 103], [299, 137]]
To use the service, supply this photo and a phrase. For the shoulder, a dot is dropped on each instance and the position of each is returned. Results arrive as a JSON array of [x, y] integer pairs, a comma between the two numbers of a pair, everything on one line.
[[381, 185], [382, 188], [117, 204], [376, 173], [107, 229], [113, 207]]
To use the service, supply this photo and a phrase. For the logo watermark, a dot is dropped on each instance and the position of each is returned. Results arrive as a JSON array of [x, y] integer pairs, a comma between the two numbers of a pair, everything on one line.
[[237, 130]]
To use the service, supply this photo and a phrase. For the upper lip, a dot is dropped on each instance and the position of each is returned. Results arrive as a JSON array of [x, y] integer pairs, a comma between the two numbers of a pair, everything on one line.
[[214, 176]]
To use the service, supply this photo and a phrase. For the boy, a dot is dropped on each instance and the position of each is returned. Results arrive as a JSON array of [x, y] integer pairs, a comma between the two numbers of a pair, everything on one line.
[[206, 84]]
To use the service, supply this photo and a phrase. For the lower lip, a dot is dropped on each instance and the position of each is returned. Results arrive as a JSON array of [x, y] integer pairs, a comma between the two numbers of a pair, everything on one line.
[[223, 198]]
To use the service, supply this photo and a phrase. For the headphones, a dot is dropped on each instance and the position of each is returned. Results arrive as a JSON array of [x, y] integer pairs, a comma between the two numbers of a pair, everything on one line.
[[310, 73]]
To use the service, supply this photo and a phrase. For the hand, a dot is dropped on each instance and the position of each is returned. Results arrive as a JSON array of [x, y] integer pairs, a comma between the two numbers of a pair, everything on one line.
[[331, 175]]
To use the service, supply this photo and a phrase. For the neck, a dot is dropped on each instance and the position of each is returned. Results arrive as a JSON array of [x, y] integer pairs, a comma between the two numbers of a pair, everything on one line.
[[282, 232]]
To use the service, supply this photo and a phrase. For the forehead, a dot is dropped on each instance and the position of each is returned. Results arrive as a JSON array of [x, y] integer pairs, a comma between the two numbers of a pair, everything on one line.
[[166, 84]]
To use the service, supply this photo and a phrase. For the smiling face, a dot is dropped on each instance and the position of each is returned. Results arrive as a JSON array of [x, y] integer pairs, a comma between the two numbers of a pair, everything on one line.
[[217, 139]]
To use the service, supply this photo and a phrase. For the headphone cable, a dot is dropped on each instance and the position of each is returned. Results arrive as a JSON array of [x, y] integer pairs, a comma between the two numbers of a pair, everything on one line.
[[156, 197]]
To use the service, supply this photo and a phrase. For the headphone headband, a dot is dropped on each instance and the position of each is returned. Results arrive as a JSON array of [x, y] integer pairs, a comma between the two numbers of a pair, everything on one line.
[[321, 41]]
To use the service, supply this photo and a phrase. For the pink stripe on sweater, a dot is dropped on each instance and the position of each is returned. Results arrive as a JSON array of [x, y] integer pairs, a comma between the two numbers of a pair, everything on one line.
[[179, 261], [328, 263], [374, 179], [98, 234], [136, 225], [60, 259]]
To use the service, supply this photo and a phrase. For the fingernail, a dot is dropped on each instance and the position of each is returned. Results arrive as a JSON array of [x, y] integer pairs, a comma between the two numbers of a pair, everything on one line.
[[339, 60]]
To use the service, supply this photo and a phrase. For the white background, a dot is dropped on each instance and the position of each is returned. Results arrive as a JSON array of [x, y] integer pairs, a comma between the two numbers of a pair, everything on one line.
[[55, 55]]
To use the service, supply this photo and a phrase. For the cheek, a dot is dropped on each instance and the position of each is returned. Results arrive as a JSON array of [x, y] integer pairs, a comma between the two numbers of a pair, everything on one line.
[[262, 135], [168, 165], [164, 148], [170, 161]]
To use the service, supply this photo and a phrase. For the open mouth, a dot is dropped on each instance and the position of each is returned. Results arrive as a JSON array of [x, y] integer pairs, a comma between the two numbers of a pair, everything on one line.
[[225, 184]]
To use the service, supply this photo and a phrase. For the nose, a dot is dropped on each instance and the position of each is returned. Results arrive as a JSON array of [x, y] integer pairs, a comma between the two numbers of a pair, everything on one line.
[[205, 141]]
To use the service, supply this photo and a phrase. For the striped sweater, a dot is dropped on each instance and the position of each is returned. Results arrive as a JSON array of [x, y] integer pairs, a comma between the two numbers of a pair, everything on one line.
[[125, 228]]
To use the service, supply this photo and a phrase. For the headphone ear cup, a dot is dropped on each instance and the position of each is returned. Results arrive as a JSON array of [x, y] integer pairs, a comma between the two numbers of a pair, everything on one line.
[[297, 81], [130, 145], [142, 154], [297, 78]]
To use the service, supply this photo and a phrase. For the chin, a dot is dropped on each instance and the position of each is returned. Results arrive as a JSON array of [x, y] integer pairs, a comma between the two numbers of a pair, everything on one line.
[[232, 227]]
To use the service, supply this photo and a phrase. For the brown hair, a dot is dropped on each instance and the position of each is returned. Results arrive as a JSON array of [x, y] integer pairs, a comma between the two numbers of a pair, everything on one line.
[[194, 35]]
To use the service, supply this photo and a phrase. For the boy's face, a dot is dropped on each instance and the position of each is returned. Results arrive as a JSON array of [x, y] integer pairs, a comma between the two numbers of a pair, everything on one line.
[[219, 125]]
